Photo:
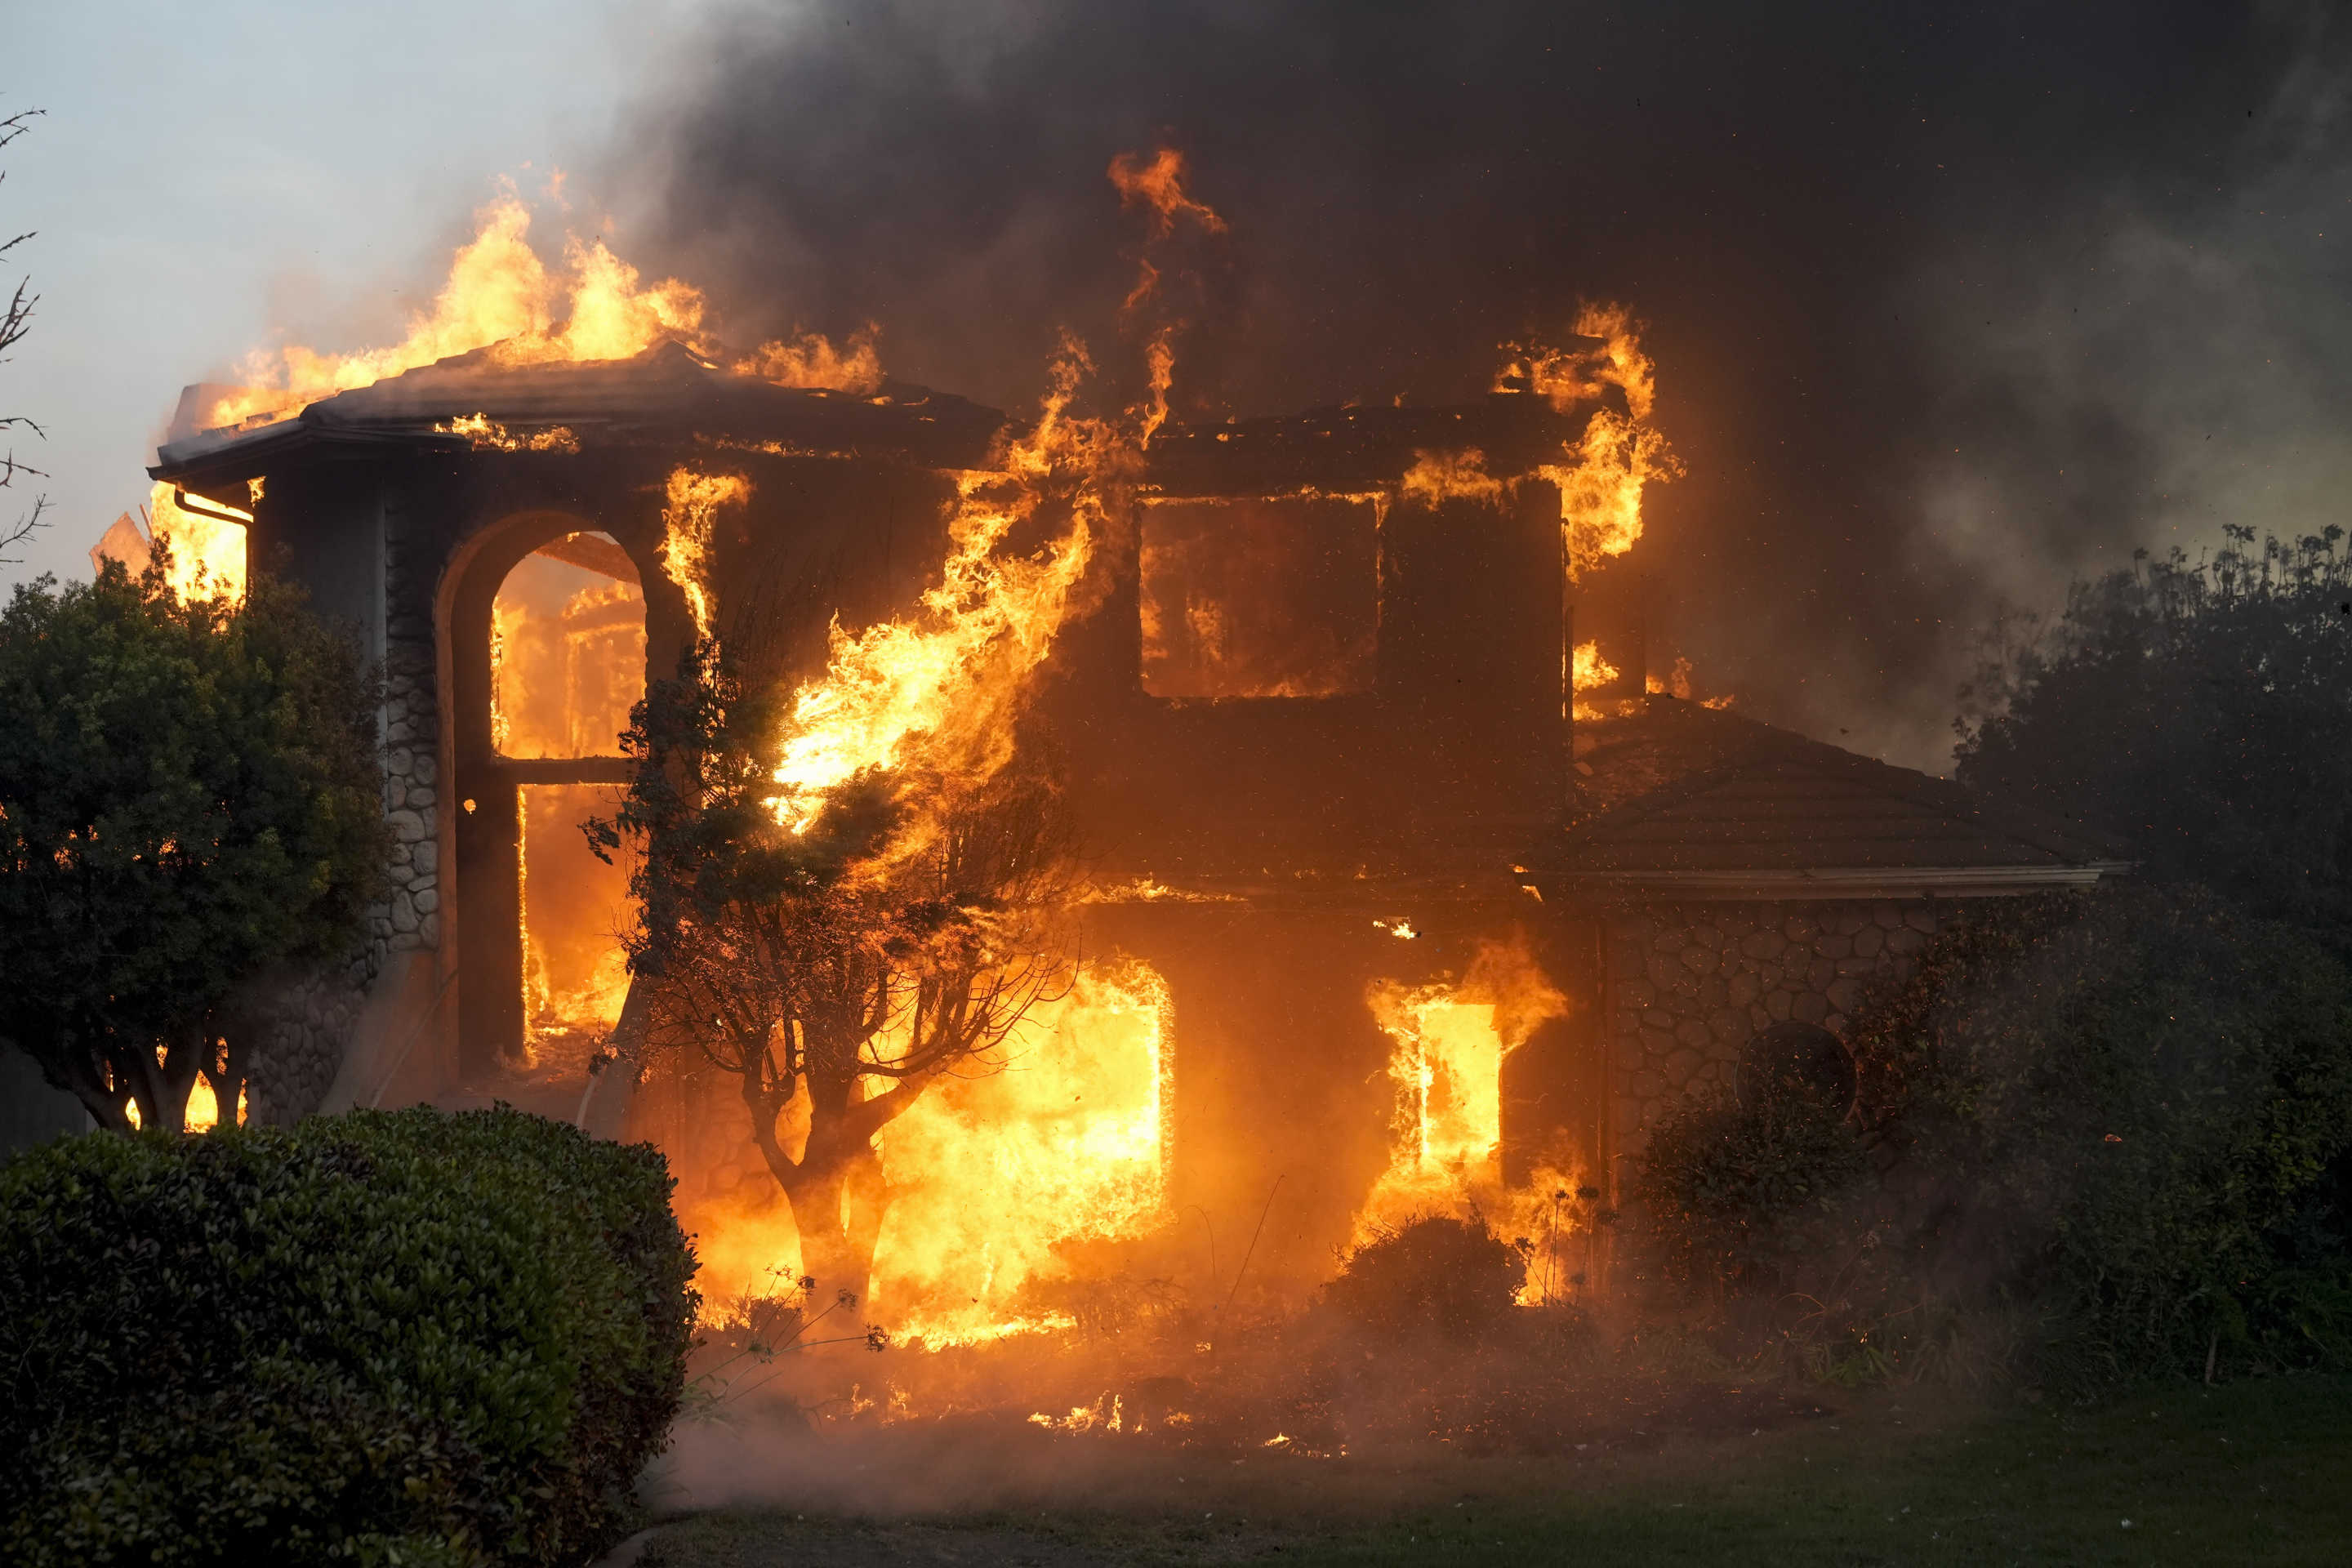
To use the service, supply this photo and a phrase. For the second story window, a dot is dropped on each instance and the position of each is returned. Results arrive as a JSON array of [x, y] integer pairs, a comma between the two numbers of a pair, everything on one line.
[[1260, 597]]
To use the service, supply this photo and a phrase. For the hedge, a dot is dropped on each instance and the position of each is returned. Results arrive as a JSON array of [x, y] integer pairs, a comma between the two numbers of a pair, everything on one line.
[[2097, 1138], [393, 1338]]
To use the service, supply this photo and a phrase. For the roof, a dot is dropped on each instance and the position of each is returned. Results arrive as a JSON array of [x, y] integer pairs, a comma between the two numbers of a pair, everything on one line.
[[1680, 800], [1362, 447], [665, 393], [669, 393]]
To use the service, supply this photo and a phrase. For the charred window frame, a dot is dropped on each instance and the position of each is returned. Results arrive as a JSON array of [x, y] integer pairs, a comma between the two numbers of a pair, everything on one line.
[[1260, 597]]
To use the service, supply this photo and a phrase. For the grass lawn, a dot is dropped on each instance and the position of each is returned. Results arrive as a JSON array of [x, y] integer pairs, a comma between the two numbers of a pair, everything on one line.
[[2252, 1472]]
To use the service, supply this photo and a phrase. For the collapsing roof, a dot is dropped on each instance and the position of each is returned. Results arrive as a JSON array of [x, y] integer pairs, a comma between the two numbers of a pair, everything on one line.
[[1682, 801]]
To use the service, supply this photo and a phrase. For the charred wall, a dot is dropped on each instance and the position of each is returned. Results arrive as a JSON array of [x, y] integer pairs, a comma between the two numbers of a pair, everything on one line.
[[1450, 755]]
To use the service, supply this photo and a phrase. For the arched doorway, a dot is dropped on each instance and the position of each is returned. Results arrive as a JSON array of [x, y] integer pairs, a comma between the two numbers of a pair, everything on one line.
[[549, 647]]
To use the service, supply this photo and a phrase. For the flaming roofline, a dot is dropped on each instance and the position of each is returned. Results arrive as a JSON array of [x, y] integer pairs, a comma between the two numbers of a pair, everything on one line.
[[669, 393]]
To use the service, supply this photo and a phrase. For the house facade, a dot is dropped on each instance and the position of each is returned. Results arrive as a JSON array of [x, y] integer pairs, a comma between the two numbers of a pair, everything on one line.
[[1316, 724]]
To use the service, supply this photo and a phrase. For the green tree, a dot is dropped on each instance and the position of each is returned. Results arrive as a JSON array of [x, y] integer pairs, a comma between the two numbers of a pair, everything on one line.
[[837, 973], [190, 808], [2202, 709]]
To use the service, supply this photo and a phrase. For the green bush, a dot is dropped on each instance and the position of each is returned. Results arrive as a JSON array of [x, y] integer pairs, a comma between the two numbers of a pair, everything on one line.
[[2095, 1139], [392, 1338], [2135, 1112], [1434, 1278], [1736, 1196]]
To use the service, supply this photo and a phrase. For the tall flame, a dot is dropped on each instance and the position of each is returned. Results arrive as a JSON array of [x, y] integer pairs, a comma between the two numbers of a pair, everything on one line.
[[497, 292], [1451, 1040], [1619, 453], [1571, 377], [948, 680], [690, 504], [1601, 492], [1074, 1120]]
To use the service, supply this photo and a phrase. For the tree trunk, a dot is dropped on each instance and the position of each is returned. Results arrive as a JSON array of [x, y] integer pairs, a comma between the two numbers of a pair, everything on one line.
[[837, 1190], [836, 1251]]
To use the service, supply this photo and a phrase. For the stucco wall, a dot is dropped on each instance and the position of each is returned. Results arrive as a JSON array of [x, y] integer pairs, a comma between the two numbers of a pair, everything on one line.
[[1689, 985]]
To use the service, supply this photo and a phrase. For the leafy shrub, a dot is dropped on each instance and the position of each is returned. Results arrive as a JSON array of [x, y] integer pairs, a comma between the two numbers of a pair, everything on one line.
[[1434, 1278], [384, 1338], [1732, 1194], [2095, 1138], [2135, 1112]]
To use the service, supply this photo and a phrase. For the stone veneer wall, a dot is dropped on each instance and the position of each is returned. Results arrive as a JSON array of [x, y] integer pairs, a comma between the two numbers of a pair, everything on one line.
[[1689, 984], [307, 1030], [411, 917]]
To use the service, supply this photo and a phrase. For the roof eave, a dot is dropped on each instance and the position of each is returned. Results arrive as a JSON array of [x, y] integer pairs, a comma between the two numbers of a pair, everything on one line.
[[251, 451]]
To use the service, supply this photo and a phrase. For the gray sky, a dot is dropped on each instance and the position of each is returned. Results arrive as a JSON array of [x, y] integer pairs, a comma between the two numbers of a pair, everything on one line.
[[210, 180]]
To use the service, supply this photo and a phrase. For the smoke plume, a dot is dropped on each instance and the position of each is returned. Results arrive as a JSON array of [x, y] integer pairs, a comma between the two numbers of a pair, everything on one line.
[[1948, 303]]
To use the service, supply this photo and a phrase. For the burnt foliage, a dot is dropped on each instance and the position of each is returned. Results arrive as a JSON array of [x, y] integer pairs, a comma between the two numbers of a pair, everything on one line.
[[384, 1338]]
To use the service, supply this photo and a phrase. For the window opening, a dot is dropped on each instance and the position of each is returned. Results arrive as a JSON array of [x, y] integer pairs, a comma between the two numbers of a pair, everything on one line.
[[1260, 597], [567, 650]]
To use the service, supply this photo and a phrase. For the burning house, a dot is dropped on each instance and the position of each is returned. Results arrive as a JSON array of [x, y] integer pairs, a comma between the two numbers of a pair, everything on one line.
[[1405, 886]]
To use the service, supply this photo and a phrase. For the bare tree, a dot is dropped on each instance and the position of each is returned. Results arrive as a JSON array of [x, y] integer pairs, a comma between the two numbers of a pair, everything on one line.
[[14, 322], [834, 973]]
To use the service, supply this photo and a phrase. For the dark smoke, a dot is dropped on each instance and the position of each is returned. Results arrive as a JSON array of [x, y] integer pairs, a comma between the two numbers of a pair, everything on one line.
[[1946, 298]]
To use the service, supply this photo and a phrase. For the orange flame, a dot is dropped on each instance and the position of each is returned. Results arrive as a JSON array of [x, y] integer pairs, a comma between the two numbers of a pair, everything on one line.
[[1451, 1040], [1075, 1121], [1601, 492], [209, 552], [1591, 669], [486, 434], [1157, 186], [1160, 362], [690, 505], [498, 292], [1437, 477], [1569, 376], [204, 1107], [949, 680], [1072, 1115], [1600, 489], [811, 360]]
